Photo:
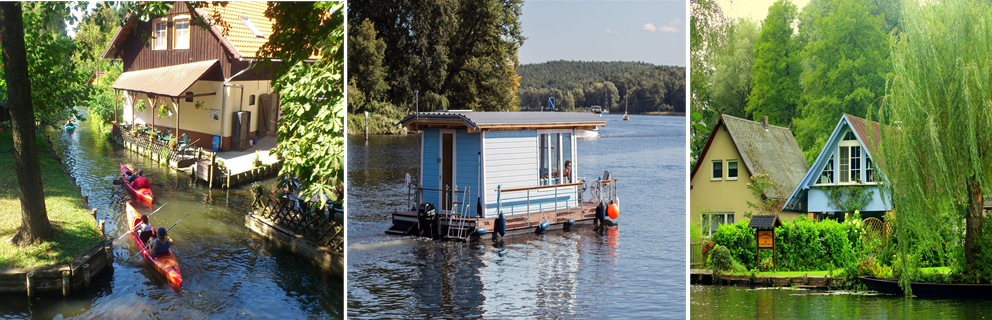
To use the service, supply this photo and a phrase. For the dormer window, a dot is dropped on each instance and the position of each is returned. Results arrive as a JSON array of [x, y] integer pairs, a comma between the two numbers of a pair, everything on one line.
[[161, 35], [181, 34]]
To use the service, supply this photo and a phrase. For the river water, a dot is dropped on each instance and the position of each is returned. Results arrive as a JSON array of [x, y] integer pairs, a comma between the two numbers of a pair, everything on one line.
[[634, 270], [731, 302], [229, 272]]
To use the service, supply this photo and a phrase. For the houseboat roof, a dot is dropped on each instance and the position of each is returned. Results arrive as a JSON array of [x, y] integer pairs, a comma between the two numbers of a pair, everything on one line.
[[766, 149], [501, 121]]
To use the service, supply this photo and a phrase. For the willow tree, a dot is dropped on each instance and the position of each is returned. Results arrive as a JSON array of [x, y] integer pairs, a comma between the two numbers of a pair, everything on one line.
[[936, 153]]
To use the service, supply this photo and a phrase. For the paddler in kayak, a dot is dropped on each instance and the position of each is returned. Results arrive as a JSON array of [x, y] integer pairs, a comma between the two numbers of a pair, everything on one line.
[[139, 181], [146, 231], [161, 243]]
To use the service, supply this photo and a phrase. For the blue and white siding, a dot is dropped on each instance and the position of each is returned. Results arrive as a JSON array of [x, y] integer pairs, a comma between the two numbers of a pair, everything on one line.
[[467, 150], [511, 161]]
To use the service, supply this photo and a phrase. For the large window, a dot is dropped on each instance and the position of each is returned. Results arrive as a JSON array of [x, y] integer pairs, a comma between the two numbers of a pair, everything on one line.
[[181, 40], [712, 221], [731, 169], [161, 35], [555, 158], [717, 170], [845, 164], [827, 175], [856, 163]]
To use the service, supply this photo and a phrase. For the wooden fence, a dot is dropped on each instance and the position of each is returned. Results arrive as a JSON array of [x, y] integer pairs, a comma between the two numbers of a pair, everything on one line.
[[696, 255]]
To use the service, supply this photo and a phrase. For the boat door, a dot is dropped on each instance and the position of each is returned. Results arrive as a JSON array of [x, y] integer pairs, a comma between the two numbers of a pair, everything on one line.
[[447, 168]]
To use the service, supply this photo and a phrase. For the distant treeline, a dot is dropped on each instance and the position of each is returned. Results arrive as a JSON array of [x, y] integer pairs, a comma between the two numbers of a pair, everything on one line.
[[581, 84]]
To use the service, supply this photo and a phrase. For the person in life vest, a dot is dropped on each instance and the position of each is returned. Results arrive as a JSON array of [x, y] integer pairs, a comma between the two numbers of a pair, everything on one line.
[[160, 244], [140, 181]]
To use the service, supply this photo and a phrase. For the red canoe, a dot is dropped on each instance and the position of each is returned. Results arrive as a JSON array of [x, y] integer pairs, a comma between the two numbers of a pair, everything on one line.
[[165, 264], [141, 195]]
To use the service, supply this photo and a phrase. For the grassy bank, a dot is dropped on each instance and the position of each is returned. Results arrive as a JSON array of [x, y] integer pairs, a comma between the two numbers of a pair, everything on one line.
[[73, 229]]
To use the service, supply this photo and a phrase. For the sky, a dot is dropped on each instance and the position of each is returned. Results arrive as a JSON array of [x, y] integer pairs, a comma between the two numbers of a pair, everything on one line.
[[649, 31], [755, 9]]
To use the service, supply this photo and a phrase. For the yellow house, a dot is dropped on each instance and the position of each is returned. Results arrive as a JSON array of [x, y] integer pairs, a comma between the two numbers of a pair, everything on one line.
[[736, 150]]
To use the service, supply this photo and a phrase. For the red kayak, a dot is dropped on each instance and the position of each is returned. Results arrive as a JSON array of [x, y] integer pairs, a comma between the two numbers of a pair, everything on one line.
[[141, 195], [165, 264]]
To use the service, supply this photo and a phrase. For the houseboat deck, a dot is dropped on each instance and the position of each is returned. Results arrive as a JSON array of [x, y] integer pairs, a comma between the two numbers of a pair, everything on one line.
[[241, 161], [405, 223]]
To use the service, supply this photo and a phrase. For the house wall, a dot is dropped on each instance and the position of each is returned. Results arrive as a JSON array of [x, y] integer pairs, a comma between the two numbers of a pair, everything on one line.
[[512, 162], [720, 196], [196, 122], [818, 201]]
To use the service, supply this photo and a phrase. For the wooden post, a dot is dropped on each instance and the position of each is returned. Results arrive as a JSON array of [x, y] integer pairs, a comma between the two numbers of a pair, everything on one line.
[[108, 252], [210, 177], [29, 282], [103, 227], [94, 213], [66, 283], [366, 126], [86, 275]]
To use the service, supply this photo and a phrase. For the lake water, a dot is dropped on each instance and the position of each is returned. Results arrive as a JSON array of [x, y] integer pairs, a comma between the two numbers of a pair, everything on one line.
[[731, 302], [229, 272], [634, 270]]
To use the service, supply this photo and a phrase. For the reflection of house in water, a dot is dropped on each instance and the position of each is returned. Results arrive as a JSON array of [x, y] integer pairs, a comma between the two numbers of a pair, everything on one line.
[[198, 81]]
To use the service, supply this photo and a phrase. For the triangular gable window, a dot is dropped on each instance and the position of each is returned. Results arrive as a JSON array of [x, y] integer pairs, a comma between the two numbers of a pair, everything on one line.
[[827, 175]]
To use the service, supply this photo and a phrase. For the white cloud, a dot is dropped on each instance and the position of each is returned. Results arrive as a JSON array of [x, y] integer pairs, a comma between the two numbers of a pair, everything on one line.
[[608, 31], [671, 27]]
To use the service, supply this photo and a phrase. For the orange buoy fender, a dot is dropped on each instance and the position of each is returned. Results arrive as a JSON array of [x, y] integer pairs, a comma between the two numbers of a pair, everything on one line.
[[613, 211]]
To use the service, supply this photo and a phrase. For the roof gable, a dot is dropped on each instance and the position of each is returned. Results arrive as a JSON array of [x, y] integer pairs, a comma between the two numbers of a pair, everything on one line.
[[233, 33], [860, 128], [770, 150]]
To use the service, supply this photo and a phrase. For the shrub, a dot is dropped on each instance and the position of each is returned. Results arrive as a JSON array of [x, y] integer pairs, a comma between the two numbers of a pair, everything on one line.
[[721, 259], [739, 239]]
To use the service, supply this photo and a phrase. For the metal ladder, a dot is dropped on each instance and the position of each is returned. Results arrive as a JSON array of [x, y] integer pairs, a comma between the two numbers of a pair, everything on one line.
[[461, 231]]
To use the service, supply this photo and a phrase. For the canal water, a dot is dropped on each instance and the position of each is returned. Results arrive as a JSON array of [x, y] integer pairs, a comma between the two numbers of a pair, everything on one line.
[[229, 272], [731, 302], [634, 270]]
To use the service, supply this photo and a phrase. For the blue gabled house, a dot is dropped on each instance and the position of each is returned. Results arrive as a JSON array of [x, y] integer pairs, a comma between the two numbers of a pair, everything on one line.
[[847, 159]]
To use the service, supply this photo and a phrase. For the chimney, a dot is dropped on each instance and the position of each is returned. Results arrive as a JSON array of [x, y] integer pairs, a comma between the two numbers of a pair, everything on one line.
[[764, 121]]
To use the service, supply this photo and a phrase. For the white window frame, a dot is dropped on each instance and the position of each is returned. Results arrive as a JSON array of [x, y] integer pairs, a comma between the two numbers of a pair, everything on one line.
[[737, 169], [176, 42], [161, 40], [713, 226], [869, 170], [845, 173]]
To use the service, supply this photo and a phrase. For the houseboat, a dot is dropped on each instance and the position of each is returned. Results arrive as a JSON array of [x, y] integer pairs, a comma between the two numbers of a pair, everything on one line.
[[502, 173]]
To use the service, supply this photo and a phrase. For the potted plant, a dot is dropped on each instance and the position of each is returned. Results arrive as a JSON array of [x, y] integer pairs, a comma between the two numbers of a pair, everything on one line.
[[198, 105], [257, 161], [173, 143], [254, 140]]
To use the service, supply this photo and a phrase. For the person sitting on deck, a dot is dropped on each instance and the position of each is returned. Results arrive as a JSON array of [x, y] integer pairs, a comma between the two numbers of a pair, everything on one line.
[[145, 231], [567, 173], [140, 181], [161, 243]]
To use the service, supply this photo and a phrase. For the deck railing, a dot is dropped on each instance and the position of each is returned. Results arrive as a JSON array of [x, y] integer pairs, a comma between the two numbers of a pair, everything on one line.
[[156, 147], [304, 218], [531, 198]]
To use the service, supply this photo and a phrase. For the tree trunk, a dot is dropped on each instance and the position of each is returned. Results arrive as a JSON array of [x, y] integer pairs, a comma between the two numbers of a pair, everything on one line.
[[973, 223], [35, 226]]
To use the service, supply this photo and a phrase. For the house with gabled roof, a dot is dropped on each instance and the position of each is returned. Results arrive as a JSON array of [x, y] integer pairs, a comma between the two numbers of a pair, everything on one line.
[[736, 150], [187, 79], [847, 160]]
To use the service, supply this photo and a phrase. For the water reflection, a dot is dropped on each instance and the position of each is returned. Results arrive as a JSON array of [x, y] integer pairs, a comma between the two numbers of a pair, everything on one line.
[[636, 269], [228, 271]]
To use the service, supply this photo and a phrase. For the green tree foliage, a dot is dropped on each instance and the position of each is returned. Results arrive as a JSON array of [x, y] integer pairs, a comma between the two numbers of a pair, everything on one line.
[[730, 85], [845, 63], [57, 84], [775, 91], [366, 72], [638, 86], [458, 53], [936, 152], [311, 130]]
